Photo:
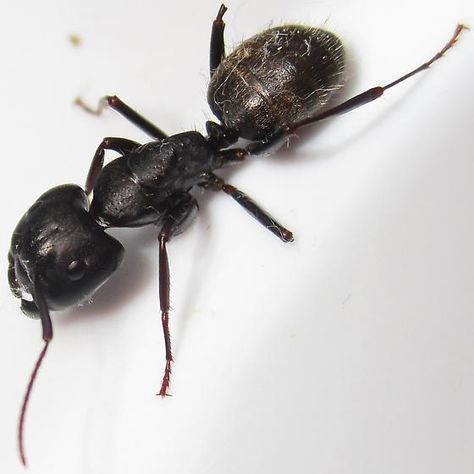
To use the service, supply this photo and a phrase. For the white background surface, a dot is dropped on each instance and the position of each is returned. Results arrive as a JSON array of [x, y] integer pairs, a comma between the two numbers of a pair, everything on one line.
[[349, 351]]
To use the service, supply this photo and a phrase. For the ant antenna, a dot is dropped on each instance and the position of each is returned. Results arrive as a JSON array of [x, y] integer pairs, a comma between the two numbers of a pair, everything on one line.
[[21, 423], [43, 310]]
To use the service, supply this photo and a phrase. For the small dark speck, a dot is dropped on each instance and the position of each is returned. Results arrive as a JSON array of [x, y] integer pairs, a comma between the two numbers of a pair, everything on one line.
[[75, 40]]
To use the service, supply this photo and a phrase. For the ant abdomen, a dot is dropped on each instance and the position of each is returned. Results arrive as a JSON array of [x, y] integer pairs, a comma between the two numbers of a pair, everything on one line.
[[276, 78]]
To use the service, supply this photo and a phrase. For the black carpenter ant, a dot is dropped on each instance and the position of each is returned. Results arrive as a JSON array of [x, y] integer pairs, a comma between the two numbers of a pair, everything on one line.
[[269, 87]]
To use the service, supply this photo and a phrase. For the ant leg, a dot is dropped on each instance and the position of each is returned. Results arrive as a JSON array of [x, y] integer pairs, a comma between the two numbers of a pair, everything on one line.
[[175, 222], [352, 103], [217, 47], [126, 111], [138, 120], [215, 183], [120, 145]]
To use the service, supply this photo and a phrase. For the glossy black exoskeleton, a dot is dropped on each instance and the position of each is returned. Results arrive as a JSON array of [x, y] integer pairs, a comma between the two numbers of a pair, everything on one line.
[[59, 254], [276, 79], [270, 86]]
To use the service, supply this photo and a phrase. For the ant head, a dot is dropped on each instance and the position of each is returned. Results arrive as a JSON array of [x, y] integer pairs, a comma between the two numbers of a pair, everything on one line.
[[60, 250]]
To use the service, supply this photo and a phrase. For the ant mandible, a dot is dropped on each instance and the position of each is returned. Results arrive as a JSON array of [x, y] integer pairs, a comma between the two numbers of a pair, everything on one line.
[[269, 87]]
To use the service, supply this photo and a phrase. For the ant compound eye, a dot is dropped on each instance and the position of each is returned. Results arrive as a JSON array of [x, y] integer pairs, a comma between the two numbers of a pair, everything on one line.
[[76, 270]]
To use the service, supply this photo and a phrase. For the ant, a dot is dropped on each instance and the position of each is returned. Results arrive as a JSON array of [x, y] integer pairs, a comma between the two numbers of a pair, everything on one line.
[[269, 87]]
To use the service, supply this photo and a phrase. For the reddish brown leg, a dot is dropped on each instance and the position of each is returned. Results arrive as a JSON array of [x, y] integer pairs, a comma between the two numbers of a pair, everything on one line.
[[175, 222], [164, 282], [376, 92], [260, 215]]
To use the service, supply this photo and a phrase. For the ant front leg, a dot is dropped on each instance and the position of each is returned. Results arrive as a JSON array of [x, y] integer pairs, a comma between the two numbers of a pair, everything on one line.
[[120, 145], [126, 111], [352, 103], [138, 120], [217, 47], [176, 221]]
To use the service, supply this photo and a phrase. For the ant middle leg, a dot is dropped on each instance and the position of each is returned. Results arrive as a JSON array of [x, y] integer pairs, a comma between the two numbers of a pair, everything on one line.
[[214, 183], [176, 221]]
